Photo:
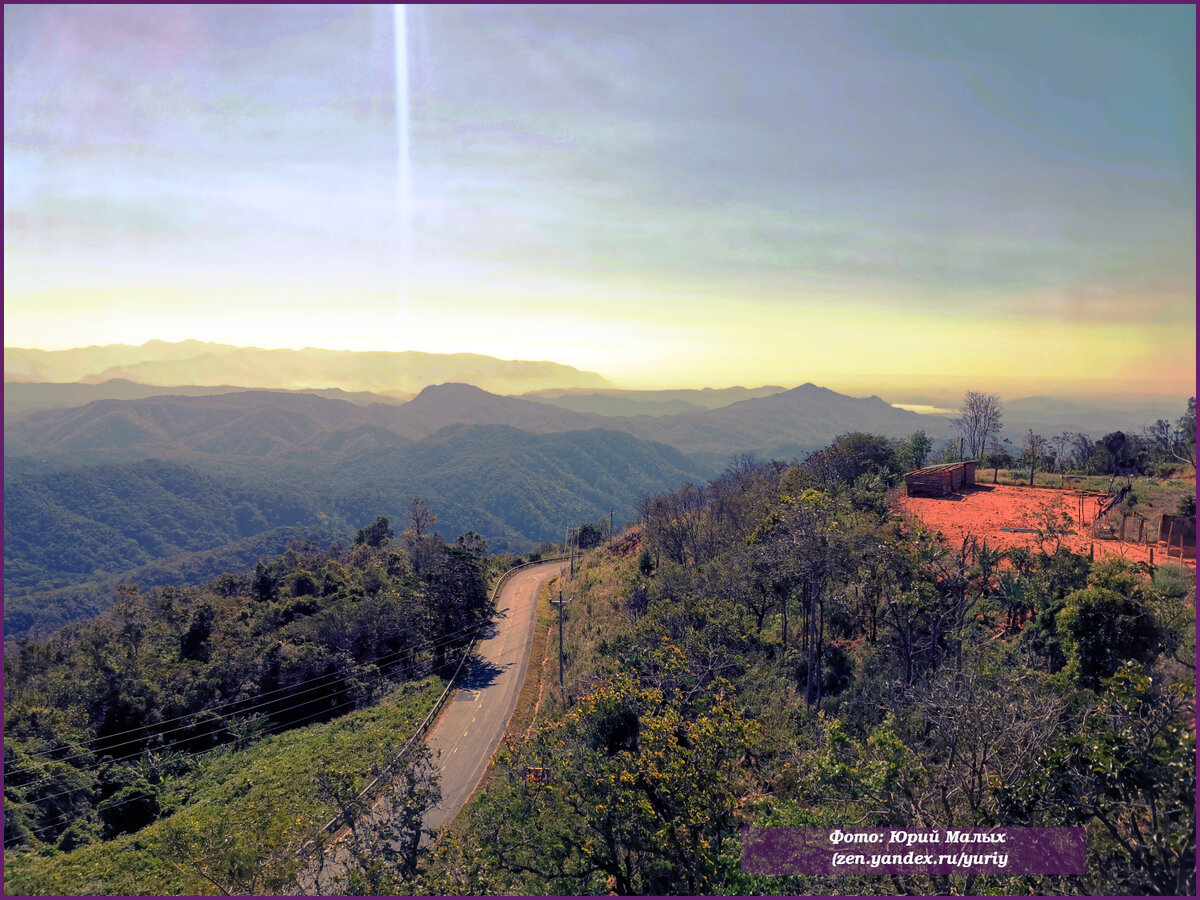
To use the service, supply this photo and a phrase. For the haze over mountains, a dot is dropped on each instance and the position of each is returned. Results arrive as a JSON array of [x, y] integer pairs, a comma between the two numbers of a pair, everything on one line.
[[117, 470], [275, 425], [199, 363], [111, 463]]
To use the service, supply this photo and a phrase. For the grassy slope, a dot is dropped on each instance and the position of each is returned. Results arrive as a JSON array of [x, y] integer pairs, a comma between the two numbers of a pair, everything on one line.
[[267, 793]]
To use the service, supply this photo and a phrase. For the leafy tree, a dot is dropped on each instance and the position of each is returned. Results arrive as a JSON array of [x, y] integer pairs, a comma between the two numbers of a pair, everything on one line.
[[377, 534], [848, 457], [912, 452], [1128, 771], [645, 563], [640, 797], [592, 534], [1102, 629], [471, 543]]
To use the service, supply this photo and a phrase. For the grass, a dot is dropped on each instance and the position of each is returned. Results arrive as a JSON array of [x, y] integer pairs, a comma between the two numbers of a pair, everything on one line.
[[539, 669], [257, 802]]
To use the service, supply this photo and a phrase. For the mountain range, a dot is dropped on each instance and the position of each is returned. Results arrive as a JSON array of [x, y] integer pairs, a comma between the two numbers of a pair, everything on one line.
[[275, 424], [115, 489], [1048, 415], [200, 363]]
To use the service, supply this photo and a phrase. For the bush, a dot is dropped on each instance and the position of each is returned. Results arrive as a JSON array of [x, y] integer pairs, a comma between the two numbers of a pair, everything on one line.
[[1102, 629]]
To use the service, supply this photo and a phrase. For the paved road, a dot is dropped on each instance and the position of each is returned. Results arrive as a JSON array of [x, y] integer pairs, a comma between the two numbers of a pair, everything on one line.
[[474, 721], [475, 718]]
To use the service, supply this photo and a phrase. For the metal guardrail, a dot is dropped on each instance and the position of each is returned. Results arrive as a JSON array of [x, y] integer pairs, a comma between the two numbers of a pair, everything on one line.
[[423, 728], [528, 565]]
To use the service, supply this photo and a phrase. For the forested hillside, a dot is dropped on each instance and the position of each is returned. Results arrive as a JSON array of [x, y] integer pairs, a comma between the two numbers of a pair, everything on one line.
[[228, 476], [111, 518], [147, 719], [777, 648], [773, 648]]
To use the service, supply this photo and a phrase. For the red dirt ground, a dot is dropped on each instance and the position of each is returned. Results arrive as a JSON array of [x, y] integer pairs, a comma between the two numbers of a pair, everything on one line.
[[984, 509]]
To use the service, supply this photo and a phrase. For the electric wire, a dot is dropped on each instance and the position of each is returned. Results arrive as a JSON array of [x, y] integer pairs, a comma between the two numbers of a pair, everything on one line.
[[387, 659], [268, 732], [108, 758], [445, 640]]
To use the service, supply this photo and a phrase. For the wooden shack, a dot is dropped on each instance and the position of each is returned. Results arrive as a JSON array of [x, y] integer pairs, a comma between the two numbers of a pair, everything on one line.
[[938, 481]]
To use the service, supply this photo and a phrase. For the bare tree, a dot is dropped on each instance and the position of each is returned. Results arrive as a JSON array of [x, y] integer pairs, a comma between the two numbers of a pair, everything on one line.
[[1184, 443], [423, 544], [1060, 441], [1081, 449], [1032, 450], [978, 419]]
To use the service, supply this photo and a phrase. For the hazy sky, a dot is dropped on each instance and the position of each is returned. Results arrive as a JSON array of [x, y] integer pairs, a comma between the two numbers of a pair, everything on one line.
[[881, 200]]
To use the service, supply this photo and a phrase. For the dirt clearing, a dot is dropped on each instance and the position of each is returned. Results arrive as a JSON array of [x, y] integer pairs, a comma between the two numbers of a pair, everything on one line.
[[987, 510]]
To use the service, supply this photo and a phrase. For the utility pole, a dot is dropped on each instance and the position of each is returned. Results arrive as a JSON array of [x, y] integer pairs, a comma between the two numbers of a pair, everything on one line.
[[560, 638], [611, 536]]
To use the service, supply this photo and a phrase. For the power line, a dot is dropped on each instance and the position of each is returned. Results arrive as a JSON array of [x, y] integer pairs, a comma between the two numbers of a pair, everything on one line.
[[278, 727], [268, 732], [428, 646]]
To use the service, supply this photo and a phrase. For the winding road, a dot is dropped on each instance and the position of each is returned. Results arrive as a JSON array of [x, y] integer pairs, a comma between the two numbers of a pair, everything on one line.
[[470, 729], [474, 721]]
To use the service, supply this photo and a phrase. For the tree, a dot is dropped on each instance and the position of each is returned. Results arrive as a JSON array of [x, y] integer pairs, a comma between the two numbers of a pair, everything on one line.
[[640, 795], [1101, 629], [420, 518], [1128, 765], [1184, 448], [998, 456], [1060, 441], [1032, 450], [912, 452], [472, 543], [376, 534], [423, 545], [592, 534], [978, 419], [1114, 445], [383, 846], [849, 456]]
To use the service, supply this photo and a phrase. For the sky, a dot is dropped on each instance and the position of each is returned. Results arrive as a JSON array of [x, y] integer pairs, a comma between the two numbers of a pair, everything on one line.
[[909, 201]]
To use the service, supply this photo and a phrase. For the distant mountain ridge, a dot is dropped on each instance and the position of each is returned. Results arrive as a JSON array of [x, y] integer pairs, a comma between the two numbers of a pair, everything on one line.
[[513, 469], [1049, 415], [614, 402], [198, 363], [22, 396], [274, 425]]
